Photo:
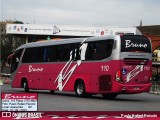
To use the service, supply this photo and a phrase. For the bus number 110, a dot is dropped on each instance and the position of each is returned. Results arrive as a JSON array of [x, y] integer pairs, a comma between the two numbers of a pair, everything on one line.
[[105, 68]]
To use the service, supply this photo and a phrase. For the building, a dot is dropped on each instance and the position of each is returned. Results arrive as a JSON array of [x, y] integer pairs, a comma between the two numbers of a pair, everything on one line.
[[9, 42], [34, 32], [153, 32], [18, 34]]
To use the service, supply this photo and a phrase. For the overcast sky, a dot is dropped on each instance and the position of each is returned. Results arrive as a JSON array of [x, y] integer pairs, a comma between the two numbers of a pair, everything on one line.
[[82, 12]]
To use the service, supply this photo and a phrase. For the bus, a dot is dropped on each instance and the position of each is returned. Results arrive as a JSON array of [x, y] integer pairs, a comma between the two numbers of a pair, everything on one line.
[[107, 65]]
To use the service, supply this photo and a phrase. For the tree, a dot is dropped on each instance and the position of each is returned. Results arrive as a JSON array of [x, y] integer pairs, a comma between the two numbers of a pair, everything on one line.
[[6, 50], [8, 42], [14, 21]]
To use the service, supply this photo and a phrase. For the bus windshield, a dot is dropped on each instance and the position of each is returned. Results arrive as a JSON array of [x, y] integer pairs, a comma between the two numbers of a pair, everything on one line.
[[15, 60], [132, 43]]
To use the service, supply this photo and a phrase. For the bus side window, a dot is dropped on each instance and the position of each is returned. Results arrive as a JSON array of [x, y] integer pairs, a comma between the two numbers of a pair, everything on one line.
[[29, 55], [45, 55], [99, 50], [77, 52], [39, 54], [91, 49], [65, 51], [52, 53]]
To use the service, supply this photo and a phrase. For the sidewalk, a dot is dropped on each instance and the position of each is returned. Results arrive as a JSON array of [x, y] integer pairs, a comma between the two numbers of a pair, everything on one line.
[[155, 92], [155, 89]]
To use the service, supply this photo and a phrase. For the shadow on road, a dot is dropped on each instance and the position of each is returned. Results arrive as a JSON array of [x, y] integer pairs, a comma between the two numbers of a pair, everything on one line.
[[122, 97], [72, 94]]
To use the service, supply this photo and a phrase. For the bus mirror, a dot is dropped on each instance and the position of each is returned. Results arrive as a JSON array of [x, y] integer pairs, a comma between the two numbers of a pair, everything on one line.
[[9, 59], [17, 59]]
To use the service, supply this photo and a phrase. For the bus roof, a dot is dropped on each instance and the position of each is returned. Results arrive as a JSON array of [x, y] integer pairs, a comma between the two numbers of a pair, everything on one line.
[[65, 41]]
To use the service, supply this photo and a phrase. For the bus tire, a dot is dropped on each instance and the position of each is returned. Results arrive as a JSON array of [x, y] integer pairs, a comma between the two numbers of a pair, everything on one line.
[[109, 96], [80, 89], [25, 86]]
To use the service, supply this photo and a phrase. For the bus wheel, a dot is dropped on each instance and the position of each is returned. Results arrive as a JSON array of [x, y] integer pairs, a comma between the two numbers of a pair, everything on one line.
[[25, 86], [80, 89], [109, 96]]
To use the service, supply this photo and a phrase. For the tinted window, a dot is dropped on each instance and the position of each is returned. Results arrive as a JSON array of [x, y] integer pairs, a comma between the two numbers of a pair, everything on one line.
[[52, 54], [39, 54], [99, 50], [65, 52], [34, 55], [132, 43], [76, 52], [29, 55], [58, 53]]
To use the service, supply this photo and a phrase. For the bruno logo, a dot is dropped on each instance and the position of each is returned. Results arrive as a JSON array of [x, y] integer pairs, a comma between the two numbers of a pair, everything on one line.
[[31, 69], [136, 45]]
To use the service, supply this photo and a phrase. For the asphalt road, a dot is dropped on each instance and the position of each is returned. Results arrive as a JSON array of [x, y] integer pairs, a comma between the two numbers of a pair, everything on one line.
[[65, 101]]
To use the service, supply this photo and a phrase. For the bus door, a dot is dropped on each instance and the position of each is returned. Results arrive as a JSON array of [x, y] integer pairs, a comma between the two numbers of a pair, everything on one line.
[[135, 60]]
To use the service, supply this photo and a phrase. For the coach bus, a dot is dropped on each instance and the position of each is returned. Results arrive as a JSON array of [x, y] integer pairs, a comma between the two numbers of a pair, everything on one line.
[[107, 65]]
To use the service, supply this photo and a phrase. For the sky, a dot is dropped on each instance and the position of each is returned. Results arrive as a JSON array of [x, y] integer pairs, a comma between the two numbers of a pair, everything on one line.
[[82, 12]]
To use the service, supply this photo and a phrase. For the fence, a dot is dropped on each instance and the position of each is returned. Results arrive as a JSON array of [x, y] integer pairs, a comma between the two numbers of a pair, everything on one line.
[[155, 88]]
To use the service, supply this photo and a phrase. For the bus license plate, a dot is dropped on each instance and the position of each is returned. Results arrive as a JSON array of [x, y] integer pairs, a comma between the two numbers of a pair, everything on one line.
[[136, 88]]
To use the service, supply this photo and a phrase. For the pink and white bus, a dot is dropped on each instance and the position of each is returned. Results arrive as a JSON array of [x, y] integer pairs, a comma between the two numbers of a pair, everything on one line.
[[107, 65]]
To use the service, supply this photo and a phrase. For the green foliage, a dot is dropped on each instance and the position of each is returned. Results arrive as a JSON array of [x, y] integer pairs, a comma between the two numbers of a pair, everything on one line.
[[8, 43], [6, 50], [14, 21]]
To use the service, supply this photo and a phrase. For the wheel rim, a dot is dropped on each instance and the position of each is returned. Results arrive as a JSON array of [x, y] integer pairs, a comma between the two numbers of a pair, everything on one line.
[[80, 89]]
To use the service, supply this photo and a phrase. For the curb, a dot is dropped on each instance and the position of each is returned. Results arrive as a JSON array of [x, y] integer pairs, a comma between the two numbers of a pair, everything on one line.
[[157, 93]]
